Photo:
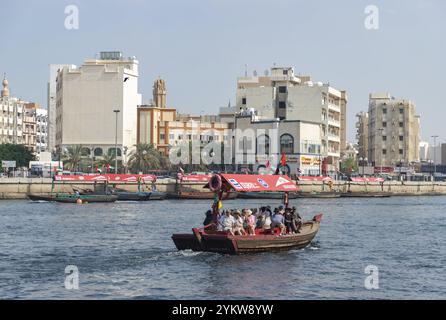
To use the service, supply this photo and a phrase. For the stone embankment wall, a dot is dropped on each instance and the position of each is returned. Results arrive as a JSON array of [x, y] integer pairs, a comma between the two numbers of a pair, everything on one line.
[[18, 188]]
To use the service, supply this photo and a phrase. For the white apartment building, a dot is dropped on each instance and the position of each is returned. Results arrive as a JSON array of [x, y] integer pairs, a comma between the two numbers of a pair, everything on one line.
[[51, 103], [11, 116], [261, 142], [287, 97], [41, 130], [87, 98]]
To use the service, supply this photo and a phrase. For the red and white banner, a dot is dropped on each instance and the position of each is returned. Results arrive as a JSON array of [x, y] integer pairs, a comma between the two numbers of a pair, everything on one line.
[[195, 178], [316, 178], [108, 177], [252, 182], [384, 169], [367, 179]]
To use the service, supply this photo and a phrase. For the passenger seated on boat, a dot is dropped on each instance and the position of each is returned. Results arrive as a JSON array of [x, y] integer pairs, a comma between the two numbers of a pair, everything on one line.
[[278, 221], [251, 222], [228, 222], [238, 228], [289, 221], [208, 218], [297, 219]]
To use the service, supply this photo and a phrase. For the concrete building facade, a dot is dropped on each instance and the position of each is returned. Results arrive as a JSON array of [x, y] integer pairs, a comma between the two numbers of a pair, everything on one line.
[[393, 131], [86, 98], [287, 97], [362, 134]]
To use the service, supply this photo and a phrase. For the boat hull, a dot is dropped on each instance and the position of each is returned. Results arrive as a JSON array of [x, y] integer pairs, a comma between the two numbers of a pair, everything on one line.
[[324, 195], [365, 195], [72, 198], [221, 242], [140, 196]]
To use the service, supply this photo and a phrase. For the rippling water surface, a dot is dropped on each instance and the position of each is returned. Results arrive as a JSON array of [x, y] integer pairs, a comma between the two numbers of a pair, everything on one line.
[[124, 250]]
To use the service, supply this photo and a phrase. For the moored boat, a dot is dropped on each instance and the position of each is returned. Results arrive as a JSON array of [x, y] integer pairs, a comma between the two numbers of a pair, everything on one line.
[[73, 198], [365, 195], [265, 195], [325, 195], [209, 239], [204, 195]]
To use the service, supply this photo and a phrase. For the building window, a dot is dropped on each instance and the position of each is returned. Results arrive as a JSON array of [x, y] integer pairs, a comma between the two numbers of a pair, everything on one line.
[[85, 152], [401, 124], [384, 110], [282, 89], [111, 152], [285, 72], [98, 152], [384, 138], [282, 104], [263, 144], [401, 151], [401, 111], [171, 136], [384, 124], [162, 136], [244, 101], [401, 138], [384, 151], [286, 144]]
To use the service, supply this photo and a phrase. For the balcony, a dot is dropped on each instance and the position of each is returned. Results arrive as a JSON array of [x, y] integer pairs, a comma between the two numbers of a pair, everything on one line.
[[334, 107]]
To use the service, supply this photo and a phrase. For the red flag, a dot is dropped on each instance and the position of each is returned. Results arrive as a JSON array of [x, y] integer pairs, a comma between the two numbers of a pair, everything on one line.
[[283, 160], [268, 164]]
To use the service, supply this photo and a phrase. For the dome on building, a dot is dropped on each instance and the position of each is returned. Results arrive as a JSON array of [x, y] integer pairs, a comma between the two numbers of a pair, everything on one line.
[[5, 90]]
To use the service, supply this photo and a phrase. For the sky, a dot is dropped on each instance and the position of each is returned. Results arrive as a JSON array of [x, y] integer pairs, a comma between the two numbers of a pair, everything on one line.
[[200, 47]]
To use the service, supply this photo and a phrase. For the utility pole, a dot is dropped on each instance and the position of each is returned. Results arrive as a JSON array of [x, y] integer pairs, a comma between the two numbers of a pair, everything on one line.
[[116, 140], [435, 154]]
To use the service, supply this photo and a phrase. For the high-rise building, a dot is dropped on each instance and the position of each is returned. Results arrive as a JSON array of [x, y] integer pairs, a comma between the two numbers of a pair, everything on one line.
[[285, 96], [51, 104], [393, 131], [90, 100]]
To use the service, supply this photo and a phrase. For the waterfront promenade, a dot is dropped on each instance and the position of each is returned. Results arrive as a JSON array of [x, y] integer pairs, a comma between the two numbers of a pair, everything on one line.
[[18, 188]]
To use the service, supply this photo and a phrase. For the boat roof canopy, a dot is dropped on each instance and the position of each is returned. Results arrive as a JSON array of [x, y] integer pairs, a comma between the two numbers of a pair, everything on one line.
[[259, 183]]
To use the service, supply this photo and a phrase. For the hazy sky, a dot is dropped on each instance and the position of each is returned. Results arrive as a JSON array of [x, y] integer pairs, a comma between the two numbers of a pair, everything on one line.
[[200, 46]]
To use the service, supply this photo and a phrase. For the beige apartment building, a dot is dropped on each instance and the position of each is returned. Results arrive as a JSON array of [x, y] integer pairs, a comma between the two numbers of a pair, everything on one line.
[[162, 127], [285, 96], [362, 134], [393, 131], [87, 98]]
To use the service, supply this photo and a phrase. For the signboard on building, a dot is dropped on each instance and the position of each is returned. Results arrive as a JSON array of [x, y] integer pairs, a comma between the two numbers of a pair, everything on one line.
[[384, 170], [310, 161], [8, 164]]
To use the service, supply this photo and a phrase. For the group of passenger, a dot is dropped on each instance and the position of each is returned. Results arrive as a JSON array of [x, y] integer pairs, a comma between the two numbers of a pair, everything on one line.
[[246, 221]]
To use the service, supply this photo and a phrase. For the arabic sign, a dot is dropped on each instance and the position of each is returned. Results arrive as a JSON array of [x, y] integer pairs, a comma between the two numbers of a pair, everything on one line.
[[108, 177], [252, 182], [310, 161]]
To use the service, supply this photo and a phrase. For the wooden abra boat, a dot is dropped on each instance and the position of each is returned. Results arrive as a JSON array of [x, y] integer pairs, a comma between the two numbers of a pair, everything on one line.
[[206, 195], [209, 239], [365, 195]]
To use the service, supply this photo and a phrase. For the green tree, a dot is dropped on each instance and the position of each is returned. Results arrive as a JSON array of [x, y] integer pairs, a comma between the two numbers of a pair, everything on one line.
[[16, 152], [348, 166], [72, 157], [107, 159], [145, 157]]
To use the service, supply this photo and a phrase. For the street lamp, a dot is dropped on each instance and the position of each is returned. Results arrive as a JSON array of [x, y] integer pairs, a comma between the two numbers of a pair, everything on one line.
[[382, 154], [435, 154], [116, 140]]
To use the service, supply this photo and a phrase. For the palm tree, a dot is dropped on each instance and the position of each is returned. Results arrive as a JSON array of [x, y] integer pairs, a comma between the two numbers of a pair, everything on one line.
[[72, 157], [145, 157]]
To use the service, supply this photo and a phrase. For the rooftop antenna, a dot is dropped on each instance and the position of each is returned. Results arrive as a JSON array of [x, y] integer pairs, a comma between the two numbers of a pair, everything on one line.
[[246, 70]]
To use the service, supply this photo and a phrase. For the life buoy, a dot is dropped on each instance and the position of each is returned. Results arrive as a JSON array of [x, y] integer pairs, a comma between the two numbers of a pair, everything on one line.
[[215, 183]]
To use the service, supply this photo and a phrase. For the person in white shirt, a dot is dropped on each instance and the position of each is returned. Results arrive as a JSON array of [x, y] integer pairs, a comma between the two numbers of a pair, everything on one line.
[[228, 222]]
